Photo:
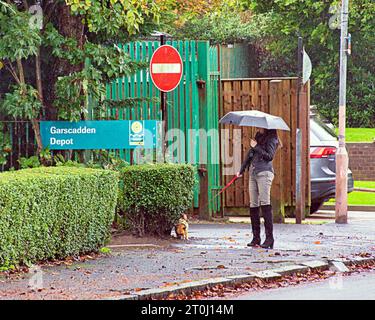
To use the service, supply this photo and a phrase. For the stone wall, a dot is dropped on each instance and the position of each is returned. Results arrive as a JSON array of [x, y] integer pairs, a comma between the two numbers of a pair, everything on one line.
[[362, 160]]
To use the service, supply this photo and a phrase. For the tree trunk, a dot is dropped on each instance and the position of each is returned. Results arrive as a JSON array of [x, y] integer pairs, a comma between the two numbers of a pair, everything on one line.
[[36, 128], [69, 26], [35, 122], [38, 76]]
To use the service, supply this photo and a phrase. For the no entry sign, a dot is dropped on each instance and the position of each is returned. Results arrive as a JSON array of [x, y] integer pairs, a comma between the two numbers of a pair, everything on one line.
[[166, 68]]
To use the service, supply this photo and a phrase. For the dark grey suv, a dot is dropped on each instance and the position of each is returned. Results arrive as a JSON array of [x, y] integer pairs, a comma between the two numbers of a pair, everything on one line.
[[323, 145]]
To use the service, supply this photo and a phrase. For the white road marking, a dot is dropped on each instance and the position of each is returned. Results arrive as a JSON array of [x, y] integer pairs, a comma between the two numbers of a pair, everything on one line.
[[166, 68]]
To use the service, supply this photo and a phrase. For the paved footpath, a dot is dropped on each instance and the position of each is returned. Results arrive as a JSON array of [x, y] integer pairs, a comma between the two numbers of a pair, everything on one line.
[[214, 250]]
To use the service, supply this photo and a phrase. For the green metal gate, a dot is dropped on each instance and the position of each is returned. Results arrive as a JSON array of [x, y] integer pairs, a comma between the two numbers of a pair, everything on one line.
[[192, 106]]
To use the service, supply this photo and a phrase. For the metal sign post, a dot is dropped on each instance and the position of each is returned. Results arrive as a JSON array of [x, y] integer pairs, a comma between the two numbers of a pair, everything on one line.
[[302, 134], [163, 105], [166, 69], [342, 154], [300, 206]]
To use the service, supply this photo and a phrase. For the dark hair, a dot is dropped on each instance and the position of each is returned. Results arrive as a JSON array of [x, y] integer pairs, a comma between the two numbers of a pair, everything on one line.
[[271, 133]]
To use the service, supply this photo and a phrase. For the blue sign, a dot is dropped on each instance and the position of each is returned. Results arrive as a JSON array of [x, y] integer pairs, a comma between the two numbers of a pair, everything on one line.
[[102, 134]]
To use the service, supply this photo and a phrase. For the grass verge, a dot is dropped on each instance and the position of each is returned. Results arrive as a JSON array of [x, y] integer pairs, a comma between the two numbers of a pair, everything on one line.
[[360, 198], [359, 134]]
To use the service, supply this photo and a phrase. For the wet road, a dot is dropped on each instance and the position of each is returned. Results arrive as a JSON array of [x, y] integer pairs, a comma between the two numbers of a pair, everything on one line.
[[353, 287]]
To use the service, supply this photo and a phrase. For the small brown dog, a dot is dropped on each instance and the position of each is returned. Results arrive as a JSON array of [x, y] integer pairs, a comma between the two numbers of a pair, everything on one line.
[[182, 228]]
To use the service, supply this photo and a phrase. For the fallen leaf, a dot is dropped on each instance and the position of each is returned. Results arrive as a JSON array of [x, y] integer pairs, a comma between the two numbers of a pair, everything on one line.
[[178, 251], [186, 281], [168, 284], [227, 238]]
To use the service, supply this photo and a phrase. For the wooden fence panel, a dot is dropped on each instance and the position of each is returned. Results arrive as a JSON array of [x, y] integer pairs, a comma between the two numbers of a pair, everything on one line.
[[274, 96]]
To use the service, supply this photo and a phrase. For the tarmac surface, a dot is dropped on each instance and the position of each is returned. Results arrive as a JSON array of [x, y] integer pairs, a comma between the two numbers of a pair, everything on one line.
[[353, 287], [214, 250]]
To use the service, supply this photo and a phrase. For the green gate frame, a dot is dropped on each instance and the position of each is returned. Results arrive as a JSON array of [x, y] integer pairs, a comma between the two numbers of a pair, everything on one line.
[[194, 104]]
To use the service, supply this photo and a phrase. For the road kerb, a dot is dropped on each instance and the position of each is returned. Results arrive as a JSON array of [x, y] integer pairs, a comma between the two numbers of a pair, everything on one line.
[[268, 275], [359, 261], [291, 269], [339, 266], [271, 274], [316, 264], [242, 278]]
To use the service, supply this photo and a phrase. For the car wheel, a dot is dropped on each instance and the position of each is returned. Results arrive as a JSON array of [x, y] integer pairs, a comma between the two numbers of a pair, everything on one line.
[[315, 206]]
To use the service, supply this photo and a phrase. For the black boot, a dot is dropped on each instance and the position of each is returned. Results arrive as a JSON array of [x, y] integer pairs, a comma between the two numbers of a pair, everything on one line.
[[268, 225], [255, 226]]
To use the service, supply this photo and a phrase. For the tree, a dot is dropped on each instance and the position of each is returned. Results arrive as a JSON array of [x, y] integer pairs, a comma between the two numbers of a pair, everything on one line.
[[58, 59], [220, 21], [314, 21], [222, 27]]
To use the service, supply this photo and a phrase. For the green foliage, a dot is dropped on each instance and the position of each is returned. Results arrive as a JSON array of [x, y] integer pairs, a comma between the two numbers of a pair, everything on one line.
[[62, 47], [226, 22], [99, 159], [31, 162], [106, 160], [54, 213], [5, 149], [115, 16], [80, 69], [22, 102], [60, 161], [101, 65], [311, 19], [45, 157], [18, 39], [153, 196], [222, 27], [5, 146]]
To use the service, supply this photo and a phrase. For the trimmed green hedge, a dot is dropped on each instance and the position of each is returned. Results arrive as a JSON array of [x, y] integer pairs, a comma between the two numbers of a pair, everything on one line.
[[153, 196], [54, 212]]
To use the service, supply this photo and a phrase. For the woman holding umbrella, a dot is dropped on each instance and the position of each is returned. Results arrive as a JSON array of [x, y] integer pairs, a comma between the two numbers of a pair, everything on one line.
[[261, 174], [259, 162]]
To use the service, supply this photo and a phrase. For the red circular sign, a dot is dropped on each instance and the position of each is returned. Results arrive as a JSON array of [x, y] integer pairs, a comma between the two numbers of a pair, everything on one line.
[[166, 68]]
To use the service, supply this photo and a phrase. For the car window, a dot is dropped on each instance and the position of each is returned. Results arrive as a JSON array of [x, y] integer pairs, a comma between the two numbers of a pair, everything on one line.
[[322, 124], [314, 140], [321, 131]]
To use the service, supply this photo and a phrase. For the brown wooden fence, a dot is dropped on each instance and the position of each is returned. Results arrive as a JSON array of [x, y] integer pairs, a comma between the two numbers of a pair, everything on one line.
[[277, 97]]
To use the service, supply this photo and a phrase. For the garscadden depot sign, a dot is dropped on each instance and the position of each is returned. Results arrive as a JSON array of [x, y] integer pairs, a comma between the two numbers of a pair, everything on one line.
[[90, 135]]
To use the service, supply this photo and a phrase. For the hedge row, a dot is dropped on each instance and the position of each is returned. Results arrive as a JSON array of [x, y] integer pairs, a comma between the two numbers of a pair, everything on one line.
[[54, 212], [152, 197]]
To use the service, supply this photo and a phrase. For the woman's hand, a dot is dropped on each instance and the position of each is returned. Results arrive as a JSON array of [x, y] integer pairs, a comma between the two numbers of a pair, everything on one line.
[[253, 143], [238, 175]]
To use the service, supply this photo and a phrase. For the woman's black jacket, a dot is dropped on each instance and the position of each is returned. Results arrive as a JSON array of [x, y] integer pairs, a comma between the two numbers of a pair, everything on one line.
[[262, 155]]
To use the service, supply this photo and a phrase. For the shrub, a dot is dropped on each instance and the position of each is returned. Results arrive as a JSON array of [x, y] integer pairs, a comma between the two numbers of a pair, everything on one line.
[[153, 196], [54, 212]]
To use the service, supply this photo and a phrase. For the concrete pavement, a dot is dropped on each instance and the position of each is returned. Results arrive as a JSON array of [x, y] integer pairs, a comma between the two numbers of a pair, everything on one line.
[[215, 250]]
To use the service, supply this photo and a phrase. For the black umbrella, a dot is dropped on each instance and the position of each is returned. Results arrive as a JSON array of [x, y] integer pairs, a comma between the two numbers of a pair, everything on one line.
[[254, 118]]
